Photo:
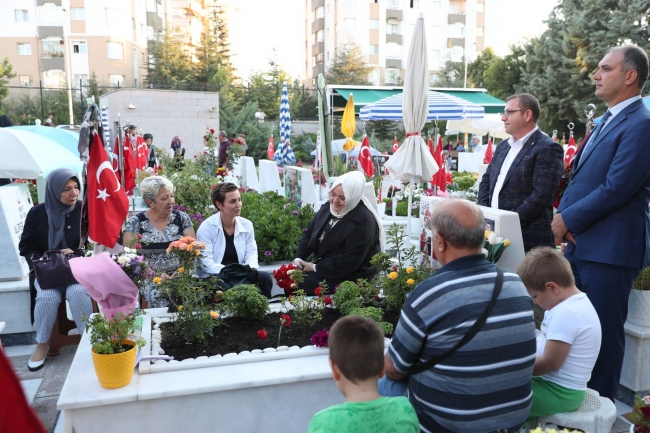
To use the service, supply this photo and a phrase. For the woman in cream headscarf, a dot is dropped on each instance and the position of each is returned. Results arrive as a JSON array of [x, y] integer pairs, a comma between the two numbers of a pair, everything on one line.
[[341, 238]]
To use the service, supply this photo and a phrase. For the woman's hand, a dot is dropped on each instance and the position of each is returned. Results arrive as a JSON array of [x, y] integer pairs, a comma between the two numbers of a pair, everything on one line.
[[306, 266], [66, 251]]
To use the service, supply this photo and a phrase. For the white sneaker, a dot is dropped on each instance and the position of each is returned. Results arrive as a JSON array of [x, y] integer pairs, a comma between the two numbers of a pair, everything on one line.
[[37, 365]]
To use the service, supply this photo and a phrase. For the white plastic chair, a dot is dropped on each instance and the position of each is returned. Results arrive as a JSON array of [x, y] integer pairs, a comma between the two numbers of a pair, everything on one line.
[[596, 415]]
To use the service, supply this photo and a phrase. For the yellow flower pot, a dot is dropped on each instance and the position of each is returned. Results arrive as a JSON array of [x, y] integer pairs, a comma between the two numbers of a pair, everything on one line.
[[115, 370]]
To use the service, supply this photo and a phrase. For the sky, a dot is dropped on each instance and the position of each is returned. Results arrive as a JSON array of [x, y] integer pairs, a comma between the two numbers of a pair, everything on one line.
[[257, 27]]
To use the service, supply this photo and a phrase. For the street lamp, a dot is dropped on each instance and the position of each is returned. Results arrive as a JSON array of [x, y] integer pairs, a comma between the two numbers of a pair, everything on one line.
[[465, 82]]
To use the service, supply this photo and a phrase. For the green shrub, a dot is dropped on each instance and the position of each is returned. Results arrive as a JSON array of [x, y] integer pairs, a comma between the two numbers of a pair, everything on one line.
[[375, 314], [246, 302], [465, 182], [347, 297], [306, 312]]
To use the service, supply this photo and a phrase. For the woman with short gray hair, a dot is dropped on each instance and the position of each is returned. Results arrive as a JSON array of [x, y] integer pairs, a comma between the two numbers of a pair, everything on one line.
[[157, 227]]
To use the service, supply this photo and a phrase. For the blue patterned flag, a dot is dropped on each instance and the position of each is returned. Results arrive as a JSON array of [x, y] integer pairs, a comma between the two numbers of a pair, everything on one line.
[[107, 131], [284, 154]]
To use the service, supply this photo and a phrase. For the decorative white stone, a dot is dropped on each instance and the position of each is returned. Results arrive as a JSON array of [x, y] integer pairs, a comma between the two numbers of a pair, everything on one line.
[[202, 358], [269, 350], [245, 352], [229, 355], [256, 351], [282, 348]]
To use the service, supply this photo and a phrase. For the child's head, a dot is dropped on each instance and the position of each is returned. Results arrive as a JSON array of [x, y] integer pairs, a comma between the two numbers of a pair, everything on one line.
[[546, 273], [357, 348]]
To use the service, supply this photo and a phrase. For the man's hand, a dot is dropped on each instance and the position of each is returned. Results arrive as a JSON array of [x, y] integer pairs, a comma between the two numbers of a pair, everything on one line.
[[390, 371], [560, 230]]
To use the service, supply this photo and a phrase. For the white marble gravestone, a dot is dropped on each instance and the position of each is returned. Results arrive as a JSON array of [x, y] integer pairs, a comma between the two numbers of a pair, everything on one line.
[[469, 161], [248, 173], [482, 168], [299, 185], [15, 202], [270, 177]]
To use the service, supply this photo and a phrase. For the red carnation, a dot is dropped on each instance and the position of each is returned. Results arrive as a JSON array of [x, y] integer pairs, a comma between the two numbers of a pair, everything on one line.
[[328, 300], [212, 132], [395, 268], [262, 334], [138, 246], [285, 319], [318, 291]]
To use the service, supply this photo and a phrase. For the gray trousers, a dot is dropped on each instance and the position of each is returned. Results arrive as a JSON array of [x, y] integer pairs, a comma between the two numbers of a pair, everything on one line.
[[47, 307]]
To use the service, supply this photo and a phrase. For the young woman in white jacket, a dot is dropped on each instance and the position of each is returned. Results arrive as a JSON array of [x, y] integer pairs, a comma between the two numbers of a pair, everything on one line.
[[228, 237]]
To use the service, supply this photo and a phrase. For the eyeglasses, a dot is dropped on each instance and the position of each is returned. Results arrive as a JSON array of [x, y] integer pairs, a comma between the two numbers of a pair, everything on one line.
[[507, 113]]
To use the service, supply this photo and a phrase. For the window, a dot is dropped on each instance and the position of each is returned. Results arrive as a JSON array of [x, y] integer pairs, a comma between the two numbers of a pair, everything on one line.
[[25, 80], [393, 51], [115, 51], [79, 47], [141, 29], [77, 14], [319, 12], [143, 60], [318, 58], [25, 49], [374, 49], [133, 21], [456, 30], [51, 48], [54, 78], [393, 29], [479, 31], [435, 54], [319, 36], [392, 76], [116, 80], [456, 54], [21, 15], [50, 15], [350, 24], [393, 4], [112, 16], [415, 4], [374, 24], [480, 7], [437, 6], [80, 79], [373, 77], [437, 30]]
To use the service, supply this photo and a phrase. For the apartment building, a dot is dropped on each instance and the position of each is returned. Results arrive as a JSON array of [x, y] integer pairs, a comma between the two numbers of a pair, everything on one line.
[[384, 28], [61, 42], [187, 19]]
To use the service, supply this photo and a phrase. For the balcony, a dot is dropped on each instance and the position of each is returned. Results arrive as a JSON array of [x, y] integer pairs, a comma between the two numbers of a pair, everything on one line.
[[53, 63], [318, 48], [318, 69], [317, 25], [42, 2], [393, 63], [153, 20], [455, 42], [50, 31], [394, 14], [394, 37], [315, 4], [456, 18]]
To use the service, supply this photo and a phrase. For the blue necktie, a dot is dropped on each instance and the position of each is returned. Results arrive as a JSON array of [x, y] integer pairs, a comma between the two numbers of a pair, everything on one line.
[[592, 140]]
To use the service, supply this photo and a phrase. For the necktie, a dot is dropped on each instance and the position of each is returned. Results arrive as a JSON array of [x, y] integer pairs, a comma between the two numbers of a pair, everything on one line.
[[592, 140]]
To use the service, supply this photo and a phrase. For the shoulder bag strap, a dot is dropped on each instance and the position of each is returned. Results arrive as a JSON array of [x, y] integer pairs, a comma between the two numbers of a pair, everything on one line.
[[476, 327]]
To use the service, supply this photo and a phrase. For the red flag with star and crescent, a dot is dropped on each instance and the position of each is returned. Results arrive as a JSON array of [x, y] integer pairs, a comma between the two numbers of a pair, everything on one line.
[[270, 151], [488, 153], [395, 145], [129, 164], [142, 153], [365, 158], [108, 205], [440, 177], [570, 150]]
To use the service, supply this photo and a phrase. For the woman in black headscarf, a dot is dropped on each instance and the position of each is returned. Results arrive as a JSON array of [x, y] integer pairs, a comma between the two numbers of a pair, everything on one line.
[[54, 225]]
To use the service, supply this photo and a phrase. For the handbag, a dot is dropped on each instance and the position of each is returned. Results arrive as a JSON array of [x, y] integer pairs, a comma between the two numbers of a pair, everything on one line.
[[52, 269], [236, 274], [498, 284]]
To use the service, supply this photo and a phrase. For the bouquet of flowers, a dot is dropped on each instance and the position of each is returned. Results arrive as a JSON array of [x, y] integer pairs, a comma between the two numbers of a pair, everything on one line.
[[283, 278], [494, 246], [186, 248], [134, 266], [640, 415]]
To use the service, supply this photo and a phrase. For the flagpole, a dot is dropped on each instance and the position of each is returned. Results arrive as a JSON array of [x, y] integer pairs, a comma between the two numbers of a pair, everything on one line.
[[121, 149]]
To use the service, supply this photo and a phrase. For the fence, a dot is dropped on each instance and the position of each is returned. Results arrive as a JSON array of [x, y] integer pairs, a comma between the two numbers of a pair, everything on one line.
[[25, 104]]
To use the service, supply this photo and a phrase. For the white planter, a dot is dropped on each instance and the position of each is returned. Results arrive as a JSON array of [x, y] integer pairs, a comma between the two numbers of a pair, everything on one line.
[[416, 226], [381, 209], [638, 311]]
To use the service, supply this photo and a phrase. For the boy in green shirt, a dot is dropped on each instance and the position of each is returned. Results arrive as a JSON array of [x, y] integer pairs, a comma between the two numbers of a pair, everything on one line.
[[357, 361]]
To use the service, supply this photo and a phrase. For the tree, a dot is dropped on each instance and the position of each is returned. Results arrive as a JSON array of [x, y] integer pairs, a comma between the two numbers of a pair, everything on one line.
[[349, 66], [383, 129], [451, 75], [169, 64], [560, 64], [476, 70], [94, 89], [503, 76], [5, 74], [234, 120], [213, 54]]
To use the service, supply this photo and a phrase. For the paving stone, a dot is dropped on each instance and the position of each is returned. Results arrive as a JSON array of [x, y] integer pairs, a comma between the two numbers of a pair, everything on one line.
[[57, 371], [620, 426], [30, 387], [46, 410], [20, 367]]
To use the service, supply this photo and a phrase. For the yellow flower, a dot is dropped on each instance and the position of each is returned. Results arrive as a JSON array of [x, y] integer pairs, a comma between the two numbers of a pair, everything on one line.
[[392, 275], [197, 252], [157, 280], [506, 242], [214, 314], [410, 281], [409, 269], [486, 234], [180, 308], [181, 270], [189, 247]]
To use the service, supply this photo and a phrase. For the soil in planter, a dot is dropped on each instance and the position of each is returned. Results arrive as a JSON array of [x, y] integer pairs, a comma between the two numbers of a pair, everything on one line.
[[237, 335]]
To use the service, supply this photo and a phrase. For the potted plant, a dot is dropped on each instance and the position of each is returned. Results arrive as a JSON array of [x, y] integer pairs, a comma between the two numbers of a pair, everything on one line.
[[638, 311], [113, 348], [640, 415]]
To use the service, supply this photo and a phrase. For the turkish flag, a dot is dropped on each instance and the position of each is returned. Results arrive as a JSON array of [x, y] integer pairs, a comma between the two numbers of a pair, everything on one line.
[[365, 159], [395, 145], [570, 150], [440, 177], [108, 205], [129, 164], [270, 151], [568, 170], [142, 153], [430, 146], [488, 153]]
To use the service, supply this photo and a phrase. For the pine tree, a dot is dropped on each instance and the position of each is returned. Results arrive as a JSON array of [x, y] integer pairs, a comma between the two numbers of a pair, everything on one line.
[[5, 73], [502, 78], [169, 64], [349, 66], [476, 70], [213, 54], [451, 75], [236, 120]]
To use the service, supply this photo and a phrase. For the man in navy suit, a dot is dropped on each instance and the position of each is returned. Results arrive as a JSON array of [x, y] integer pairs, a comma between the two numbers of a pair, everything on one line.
[[525, 172], [603, 214]]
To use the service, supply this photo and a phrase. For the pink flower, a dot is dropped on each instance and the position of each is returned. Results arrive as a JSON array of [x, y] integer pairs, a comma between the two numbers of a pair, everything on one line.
[[320, 339], [646, 399]]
